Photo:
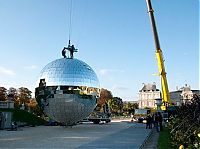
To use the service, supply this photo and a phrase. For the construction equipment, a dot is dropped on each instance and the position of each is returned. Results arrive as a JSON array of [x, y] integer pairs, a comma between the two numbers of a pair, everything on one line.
[[141, 114], [100, 114], [159, 56]]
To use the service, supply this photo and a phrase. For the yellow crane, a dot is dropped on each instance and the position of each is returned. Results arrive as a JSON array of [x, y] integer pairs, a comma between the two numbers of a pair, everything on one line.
[[159, 56]]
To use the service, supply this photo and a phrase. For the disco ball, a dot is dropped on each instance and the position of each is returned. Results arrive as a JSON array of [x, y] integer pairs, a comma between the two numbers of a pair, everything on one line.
[[67, 90]]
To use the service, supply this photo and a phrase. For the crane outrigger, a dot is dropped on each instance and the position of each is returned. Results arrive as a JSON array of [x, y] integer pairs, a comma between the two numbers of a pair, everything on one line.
[[159, 56]]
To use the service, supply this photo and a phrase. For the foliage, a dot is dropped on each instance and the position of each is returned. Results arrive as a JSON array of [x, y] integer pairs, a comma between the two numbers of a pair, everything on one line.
[[24, 116], [119, 105], [34, 108], [12, 92], [129, 108], [185, 125], [105, 95], [116, 105], [20, 96], [3, 94], [24, 96]]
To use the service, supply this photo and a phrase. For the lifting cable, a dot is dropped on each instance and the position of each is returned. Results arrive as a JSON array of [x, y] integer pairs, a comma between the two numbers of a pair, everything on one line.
[[70, 32], [70, 20]]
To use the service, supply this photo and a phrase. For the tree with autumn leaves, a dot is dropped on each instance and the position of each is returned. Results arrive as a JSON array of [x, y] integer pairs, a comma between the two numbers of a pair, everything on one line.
[[3, 94], [20, 97], [24, 96], [117, 106]]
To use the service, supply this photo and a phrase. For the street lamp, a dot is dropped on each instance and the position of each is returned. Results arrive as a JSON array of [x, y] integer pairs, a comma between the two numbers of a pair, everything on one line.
[[158, 102]]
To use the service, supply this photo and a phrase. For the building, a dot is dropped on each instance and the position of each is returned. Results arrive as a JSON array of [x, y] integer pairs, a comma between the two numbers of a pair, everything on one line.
[[183, 95], [6, 116], [147, 96], [149, 93]]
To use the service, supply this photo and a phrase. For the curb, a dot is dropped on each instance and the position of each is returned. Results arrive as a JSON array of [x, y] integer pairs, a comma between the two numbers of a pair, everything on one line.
[[146, 139]]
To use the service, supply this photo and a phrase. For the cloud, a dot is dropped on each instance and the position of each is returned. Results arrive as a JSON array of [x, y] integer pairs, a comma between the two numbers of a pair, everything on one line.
[[30, 67], [8, 85], [104, 72], [5, 71], [123, 92], [120, 88]]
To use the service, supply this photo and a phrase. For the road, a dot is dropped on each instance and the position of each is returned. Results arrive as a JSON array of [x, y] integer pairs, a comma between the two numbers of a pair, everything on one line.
[[83, 136]]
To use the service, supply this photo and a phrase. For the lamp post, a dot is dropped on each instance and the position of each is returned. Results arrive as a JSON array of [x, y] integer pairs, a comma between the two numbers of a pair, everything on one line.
[[158, 102]]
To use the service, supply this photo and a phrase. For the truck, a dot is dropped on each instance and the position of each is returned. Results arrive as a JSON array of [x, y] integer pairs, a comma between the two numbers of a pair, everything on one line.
[[141, 114], [101, 113]]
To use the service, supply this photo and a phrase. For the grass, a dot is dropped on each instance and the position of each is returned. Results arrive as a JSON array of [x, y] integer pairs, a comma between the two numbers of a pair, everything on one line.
[[164, 140]]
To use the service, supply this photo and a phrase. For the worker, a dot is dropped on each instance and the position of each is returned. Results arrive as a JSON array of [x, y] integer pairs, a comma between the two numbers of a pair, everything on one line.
[[156, 122], [148, 123], [64, 52], [160, 119]]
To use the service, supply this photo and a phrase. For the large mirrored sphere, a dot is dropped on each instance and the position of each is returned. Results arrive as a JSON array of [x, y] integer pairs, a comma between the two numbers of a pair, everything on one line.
[[71, 72], [67, 90]]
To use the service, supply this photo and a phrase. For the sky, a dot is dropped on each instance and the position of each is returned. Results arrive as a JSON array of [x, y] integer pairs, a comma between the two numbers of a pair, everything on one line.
[[113, 36]]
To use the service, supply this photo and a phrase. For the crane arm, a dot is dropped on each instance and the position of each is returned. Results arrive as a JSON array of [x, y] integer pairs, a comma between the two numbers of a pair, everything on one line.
[[159, 56]]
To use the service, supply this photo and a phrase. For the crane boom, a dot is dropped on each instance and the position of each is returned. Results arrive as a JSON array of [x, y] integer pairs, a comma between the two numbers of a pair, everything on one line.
[[159, 57]]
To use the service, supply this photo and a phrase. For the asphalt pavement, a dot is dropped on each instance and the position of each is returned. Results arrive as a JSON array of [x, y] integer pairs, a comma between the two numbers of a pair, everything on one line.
[[114, 135]]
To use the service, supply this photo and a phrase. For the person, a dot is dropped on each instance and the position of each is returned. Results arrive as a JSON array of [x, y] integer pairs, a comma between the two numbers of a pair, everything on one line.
[[64, 52], [148, 123], [153, 119], [156, 122], [14, 126], [131, 117], [160, 119], [72, 51]]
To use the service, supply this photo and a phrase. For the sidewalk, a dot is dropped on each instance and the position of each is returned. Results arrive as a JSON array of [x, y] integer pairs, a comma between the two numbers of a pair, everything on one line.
[[152, 141]]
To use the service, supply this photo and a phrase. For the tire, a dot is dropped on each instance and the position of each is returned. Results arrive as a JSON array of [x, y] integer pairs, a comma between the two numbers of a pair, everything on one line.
[[96, 121], [107, 121]]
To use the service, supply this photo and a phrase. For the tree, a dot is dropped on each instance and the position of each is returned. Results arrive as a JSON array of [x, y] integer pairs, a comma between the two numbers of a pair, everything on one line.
[[12, 92], [185, 124], [24, 96], [119, 103], [129, 107], [3, 94], [113, 106], [105, 95], [34, 108], [116, 105]]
